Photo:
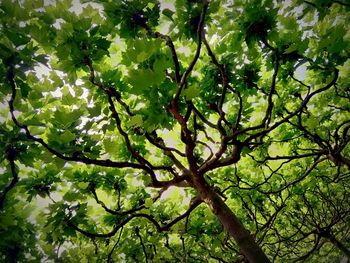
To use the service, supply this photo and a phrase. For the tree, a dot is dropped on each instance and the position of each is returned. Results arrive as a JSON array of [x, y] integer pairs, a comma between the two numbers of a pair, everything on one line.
[[174, 131]]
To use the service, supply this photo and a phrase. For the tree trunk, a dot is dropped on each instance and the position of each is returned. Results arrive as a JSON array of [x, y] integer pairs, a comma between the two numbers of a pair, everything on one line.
[[339, 245], [228, 219]]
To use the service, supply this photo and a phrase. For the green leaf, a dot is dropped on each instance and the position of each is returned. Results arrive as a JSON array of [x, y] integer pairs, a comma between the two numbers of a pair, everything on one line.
[[67, 136], [161, 64], [95, 111], [25, 89], [140, 80], [168, 13], [103, 44], [71, 196], [42, 59], [94, 82], [290, 49], [191, 92], [136, 121], [17, 38], [148, 202], [111, 146], [83, 185], [64, 118]]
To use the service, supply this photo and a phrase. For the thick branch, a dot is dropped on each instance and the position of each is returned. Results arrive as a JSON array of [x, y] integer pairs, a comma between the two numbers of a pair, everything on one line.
[[170, 44], [339, 245]]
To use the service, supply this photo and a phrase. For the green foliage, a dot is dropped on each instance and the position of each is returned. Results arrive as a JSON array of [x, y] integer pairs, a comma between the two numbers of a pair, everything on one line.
[[258, 19], [132, 16], [124, 137]]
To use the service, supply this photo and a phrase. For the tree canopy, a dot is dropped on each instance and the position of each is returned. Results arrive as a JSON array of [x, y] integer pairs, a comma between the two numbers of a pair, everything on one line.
[[174, 131]]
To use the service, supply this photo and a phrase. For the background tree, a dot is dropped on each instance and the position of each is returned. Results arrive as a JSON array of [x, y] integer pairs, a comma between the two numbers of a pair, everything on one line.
[[192, 131]]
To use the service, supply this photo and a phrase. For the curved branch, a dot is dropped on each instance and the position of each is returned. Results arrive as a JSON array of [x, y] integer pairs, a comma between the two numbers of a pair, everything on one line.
[[317, 245], [150, 218], [293, 157], [111, 93], [115, 245], [267, 119], [341, 3], [137, 230], [79, 157], [170, 44], [11, 185], [203, 118], [75, 158], [306, 173], [290, 115], [159, 143], [198, 50], [117, 211]]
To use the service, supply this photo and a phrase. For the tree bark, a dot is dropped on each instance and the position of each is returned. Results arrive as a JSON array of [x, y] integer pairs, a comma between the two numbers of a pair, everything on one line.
[[339, 245], [245, 241]]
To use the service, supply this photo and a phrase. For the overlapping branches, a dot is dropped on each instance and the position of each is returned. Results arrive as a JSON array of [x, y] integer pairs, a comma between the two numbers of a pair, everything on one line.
[[131, 214], [75, 158], [235, 137]]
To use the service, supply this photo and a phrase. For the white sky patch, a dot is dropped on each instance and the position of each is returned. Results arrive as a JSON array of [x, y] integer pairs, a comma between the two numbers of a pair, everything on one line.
[[169, 138], [185, 50], [4, 112], [167, 5], [165, 29], [58, 23], [41, 71], [49, 2], [77, 7], [174, 191], [136, 182], [300, 72], [213, 39], [57, 93]]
